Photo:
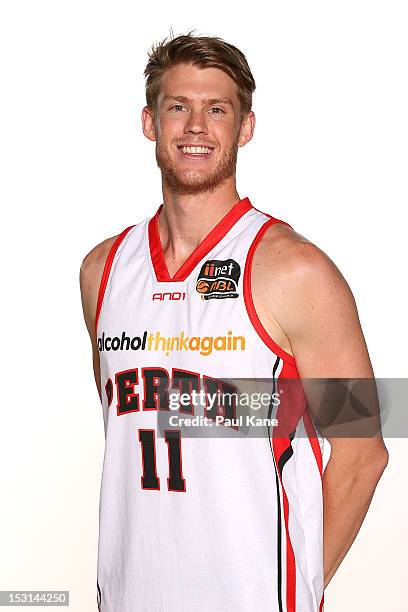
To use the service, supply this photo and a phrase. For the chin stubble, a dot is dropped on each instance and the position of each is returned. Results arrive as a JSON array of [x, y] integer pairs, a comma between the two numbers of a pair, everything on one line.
[[186, 183]]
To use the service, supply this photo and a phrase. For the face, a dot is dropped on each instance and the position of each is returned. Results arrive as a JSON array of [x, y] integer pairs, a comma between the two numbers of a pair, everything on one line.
[[198, 127]]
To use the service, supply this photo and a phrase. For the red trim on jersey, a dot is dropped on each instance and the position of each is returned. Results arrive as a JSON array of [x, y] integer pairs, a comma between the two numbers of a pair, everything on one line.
[[207, 244], [270, 216], [106, 272], [280, 444], [249, 302], [314, 442], [290, 558], [297, 400], [321, 603], [290, 371]]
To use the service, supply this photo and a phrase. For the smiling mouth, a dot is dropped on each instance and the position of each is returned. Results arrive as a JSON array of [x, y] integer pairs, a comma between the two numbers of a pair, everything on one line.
[[197, 151]]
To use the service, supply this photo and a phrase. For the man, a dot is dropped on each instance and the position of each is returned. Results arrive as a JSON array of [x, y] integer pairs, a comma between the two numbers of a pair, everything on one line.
[[211, 287]]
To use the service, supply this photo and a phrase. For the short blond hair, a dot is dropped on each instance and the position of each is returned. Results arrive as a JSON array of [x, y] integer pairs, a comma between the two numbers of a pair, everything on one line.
[[203, 51]]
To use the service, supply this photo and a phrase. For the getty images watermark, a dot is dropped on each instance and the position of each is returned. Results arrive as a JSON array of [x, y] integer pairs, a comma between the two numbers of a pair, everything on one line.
[[307, 407]]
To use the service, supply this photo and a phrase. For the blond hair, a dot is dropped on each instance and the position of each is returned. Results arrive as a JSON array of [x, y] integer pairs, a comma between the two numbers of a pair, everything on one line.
[[203, 51]]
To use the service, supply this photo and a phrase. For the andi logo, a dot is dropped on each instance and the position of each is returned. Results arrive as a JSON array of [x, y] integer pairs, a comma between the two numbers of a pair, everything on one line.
[[218, 279]]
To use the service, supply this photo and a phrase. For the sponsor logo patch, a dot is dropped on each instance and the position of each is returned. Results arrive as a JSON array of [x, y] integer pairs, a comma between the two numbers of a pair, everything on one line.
[[218, 279]]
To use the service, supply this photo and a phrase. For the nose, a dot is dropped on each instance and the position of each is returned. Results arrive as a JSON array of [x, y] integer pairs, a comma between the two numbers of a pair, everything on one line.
[[196, 123]]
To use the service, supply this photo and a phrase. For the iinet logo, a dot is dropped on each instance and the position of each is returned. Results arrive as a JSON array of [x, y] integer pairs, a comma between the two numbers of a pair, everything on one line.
[[213, 271], [149, 341], [218, 279]]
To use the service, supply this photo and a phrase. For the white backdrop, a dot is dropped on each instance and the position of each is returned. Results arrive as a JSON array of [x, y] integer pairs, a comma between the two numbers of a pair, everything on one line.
[[329, 156]]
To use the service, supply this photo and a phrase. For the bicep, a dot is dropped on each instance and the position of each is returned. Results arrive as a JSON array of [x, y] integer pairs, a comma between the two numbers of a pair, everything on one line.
[[90, 279], [332, 359], [324, 327]]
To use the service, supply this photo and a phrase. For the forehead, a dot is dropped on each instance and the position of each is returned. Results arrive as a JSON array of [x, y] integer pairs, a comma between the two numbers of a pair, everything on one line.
[[195, 82]]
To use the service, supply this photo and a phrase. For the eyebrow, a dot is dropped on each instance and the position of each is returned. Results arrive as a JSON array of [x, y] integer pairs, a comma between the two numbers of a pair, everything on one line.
[[204, 100]]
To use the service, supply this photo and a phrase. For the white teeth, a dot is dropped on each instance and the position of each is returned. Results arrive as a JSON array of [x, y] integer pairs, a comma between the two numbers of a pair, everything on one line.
[[196, 150]]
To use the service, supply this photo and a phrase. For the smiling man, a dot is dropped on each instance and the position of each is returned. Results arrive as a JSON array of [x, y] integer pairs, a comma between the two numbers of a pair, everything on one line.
[[209, 288]]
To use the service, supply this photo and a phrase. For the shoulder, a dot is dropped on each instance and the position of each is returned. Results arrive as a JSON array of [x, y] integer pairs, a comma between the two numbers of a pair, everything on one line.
[[93, 263], [293, 276], [284, 251], [90, 277]]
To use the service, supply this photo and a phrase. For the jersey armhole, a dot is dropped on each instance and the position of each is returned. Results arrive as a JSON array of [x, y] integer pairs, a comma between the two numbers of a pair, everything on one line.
[[106, 272], [249, 302]]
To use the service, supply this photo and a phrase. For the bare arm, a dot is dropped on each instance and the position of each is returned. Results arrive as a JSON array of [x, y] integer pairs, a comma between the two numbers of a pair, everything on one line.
[[90, 280], [315, 310]]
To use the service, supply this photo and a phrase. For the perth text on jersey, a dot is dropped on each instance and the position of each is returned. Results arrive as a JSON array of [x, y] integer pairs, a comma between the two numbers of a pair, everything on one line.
[[155, 341]]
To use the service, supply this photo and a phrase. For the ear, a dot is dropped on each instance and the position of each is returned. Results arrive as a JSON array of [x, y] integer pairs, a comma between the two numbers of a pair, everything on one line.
[[148, 123], [247, 129]]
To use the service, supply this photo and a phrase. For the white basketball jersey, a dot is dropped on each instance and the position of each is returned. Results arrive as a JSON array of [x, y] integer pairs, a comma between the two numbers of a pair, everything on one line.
[[221, 520]]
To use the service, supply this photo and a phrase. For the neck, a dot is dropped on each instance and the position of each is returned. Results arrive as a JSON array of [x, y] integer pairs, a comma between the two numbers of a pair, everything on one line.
[[185, 220]]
